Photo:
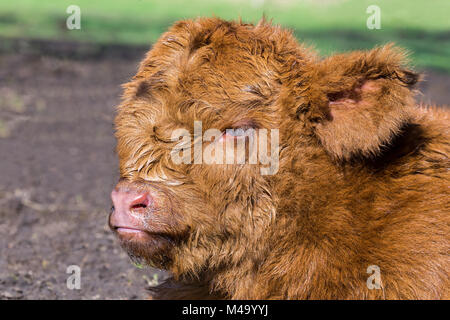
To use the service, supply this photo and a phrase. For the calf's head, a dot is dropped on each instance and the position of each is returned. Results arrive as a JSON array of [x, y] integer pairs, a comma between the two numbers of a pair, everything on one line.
[[180, 204]]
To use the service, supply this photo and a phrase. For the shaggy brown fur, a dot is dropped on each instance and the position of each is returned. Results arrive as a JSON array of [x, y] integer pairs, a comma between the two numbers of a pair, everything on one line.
[[363, 177]]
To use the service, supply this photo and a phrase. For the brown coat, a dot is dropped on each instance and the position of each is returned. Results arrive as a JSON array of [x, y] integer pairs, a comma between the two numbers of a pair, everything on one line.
[[363, 174]]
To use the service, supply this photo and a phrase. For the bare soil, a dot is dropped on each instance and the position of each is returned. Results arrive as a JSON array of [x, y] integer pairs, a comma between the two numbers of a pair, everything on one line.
[[58, 166]]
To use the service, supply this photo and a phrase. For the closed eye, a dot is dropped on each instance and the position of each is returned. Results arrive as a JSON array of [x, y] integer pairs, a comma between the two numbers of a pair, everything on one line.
[[239, 132], [242, 128], [236, 132]]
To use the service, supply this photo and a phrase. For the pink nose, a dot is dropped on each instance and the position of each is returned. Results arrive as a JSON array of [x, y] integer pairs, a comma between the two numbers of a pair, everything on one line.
[[128, 205]]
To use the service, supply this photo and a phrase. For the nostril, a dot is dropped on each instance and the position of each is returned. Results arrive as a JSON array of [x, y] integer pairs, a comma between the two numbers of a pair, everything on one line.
[[124, 201], [139, 205], [140, 201]]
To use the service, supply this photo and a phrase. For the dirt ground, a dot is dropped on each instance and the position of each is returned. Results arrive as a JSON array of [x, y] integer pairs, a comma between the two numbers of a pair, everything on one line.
[[58, 167]]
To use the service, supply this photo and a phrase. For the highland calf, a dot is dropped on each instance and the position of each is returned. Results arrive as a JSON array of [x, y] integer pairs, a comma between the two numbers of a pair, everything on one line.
[[361, 183]]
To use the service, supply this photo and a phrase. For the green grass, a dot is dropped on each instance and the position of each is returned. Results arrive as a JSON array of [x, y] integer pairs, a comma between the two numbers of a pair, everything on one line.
[[330, 25]]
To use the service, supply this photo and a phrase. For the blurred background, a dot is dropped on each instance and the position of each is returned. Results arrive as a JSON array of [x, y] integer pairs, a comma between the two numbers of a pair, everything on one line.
[[58, 90]]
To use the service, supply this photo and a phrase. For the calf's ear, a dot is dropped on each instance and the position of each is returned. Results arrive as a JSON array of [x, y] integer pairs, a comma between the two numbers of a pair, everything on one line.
[[359, 101]]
